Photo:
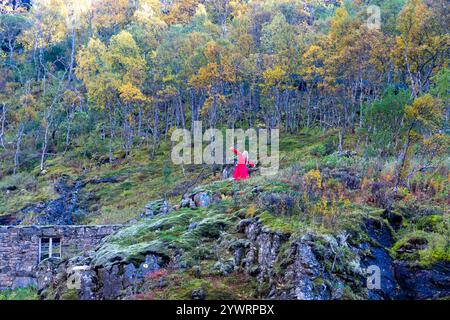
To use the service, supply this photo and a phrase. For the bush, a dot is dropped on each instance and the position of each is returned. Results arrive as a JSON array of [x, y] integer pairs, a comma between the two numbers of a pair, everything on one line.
[[29, 293], [327, 148], [335, 160], [278, 203], [19, 181], [318, 151]]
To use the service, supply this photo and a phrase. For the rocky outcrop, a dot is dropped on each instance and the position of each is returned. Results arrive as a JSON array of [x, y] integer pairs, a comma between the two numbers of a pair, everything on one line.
[[198, 198], [423, 283], [263, 249], [87, 282], [306, 266], [60, 211], [298, 271], [158, 207]]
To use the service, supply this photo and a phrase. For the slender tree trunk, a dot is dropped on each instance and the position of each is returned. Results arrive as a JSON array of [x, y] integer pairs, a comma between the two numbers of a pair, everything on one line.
[[11, 51], [111, 133], [402, 160], [2, 126], [72, 54], [69, 126], [17, 153], [45, 144]]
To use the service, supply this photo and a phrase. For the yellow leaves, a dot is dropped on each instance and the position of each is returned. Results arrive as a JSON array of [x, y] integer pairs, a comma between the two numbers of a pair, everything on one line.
[[107, 71], [215, 100], [238, 7], [212, 51], [131, 94], [201, 10], [72, 97], [27, 100], [110, 12], [251, 210], [312, 180], [412, 18], [90, 60], [274, 76], [206, 76], [168, 78], [422, 40], [436, 144], [49, 24], [425, 110], [125, 55], [181, 11], [313, 63], [27, 110], [339, 22]]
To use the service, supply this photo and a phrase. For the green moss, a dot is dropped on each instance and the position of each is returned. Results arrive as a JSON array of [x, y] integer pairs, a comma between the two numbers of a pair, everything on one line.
[[69, 294], [29, 293], [182, 284], [162, 234], [279, 223], [436, 249], [434, 223], [29, 189]]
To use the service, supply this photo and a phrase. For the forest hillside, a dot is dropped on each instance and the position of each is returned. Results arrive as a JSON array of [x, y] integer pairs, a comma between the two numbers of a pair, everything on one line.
[[91, 92]]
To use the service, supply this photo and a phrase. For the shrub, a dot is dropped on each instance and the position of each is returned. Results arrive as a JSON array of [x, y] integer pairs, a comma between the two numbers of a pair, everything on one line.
[[20, 181], [318, 150], [278, 203], [312, 183], [28, 293]]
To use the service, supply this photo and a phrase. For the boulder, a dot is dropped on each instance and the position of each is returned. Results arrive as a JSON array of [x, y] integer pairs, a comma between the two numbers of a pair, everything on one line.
[[202, 199], [158, 207], [198, 294], [198, 198]]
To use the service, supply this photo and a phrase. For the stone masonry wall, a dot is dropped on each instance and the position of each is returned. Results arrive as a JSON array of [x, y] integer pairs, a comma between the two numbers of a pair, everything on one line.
[[19, 248]]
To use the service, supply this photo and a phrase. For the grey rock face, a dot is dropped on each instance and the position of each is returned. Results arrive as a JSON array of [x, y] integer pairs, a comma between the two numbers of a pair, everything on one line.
[[158, 207], [112, 282], [296, 272], [277, 204], [198, 294], [198, 198], [61, 211]]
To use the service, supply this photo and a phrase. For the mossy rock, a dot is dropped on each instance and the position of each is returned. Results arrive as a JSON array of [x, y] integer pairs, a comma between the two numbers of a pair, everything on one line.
[[69, 294], [422, 248], [162, 235]]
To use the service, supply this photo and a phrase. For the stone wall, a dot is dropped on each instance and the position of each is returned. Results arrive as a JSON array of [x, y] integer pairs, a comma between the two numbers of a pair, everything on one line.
[[19, 248]]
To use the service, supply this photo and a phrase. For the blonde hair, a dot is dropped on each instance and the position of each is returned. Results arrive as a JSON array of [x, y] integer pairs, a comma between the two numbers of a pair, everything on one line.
[[245, 154]]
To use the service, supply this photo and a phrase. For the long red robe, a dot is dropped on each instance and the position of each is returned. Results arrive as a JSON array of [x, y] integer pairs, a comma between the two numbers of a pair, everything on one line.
[[241, 170]]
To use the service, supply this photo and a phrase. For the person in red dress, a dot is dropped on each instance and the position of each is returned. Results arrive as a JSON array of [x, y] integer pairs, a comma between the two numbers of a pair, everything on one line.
[[241, 170]]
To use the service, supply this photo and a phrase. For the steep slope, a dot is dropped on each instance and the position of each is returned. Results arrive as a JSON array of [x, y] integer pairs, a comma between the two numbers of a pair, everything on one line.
[[312, 236]]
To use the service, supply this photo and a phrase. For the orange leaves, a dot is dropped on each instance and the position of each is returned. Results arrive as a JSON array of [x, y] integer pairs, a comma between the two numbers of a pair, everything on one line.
[[213, 51], [205, 76], [220, 67], [131, 94], [181, 12]]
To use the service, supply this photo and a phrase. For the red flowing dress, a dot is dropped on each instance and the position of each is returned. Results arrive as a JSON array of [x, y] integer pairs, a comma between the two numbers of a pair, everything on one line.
[[241, 170]]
